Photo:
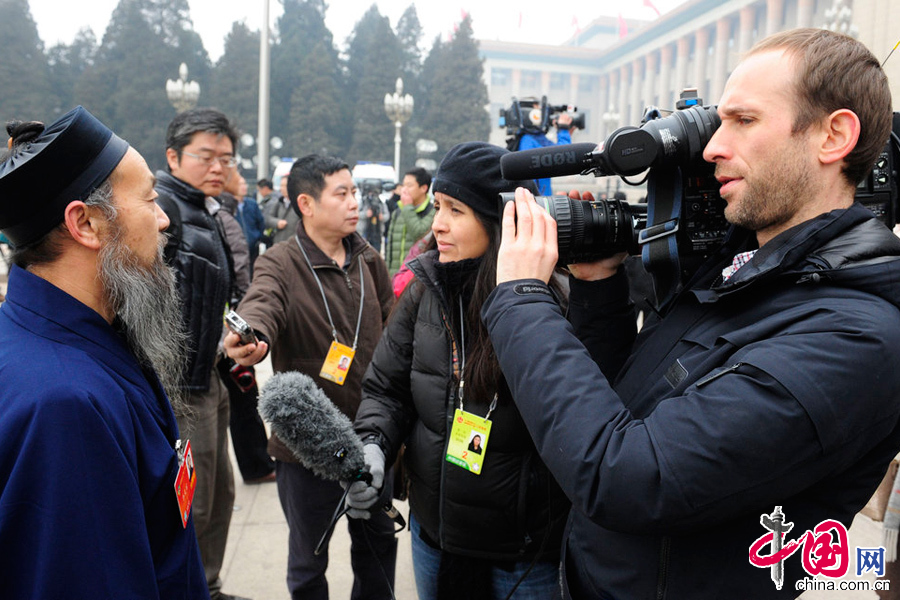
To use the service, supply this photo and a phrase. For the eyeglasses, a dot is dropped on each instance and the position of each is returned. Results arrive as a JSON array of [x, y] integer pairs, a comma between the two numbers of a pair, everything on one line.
[[228, 162]]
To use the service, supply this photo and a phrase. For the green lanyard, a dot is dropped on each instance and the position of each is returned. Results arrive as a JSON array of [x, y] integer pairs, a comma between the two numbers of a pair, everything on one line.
[[462, 365]]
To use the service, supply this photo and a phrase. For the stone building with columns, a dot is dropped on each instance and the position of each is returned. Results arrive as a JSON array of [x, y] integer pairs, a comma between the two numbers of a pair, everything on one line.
[[696, 45]]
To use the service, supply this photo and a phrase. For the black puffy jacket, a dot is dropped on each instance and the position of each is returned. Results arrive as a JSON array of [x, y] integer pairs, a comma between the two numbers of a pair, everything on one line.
[[196, 250], [513, 510]]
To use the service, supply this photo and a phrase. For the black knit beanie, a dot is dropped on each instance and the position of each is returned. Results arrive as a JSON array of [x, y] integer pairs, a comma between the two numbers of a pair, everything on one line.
[[470, 173]]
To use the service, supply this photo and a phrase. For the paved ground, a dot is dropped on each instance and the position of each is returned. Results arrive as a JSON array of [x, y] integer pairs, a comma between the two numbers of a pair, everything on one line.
[[256, 556]]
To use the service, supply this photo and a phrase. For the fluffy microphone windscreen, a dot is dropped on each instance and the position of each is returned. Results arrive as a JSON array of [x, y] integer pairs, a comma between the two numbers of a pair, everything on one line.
[[311, 426]]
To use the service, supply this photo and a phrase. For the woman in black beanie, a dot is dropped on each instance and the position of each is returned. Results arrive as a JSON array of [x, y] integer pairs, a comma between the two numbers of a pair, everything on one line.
[[483, 523]]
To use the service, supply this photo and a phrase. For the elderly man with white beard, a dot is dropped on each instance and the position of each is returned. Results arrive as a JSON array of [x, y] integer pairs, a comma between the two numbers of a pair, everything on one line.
[[95, 484]]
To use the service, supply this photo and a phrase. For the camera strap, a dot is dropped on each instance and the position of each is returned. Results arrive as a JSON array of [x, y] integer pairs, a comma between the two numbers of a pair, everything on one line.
[[659, 248]]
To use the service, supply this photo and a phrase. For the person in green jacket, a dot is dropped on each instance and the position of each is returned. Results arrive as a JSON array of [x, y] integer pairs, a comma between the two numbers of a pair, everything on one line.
[[412, 218]]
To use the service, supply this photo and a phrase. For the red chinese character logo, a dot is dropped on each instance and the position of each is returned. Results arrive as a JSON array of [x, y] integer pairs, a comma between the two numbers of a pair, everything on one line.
[[826, 550]]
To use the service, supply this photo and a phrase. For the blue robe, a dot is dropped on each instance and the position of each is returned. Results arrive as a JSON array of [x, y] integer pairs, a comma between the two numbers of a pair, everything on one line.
[[87, 460]]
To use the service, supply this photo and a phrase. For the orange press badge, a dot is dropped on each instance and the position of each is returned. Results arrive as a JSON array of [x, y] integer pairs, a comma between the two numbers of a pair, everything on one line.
[[185, 482], [337, 363]]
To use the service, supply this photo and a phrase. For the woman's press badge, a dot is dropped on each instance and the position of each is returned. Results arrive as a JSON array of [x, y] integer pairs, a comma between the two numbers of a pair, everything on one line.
[[468, 441], [337, 363]]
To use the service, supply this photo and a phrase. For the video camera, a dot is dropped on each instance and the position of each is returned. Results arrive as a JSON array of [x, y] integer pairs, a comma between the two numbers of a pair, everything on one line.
[[529, 115], [372, 187], [683, 222]]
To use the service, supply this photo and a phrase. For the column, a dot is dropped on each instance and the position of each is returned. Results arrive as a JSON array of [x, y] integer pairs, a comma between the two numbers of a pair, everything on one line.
[[622, 101], [615, 78], [805, 13], [651, 62], [682, 59], [720, 61], [745, 31], [774, 9], [636, 105], [605, 94], [701, 52], [516, 82], [666, 95]]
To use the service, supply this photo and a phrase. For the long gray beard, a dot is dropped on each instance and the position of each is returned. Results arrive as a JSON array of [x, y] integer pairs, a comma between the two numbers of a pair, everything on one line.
[[145, 300]]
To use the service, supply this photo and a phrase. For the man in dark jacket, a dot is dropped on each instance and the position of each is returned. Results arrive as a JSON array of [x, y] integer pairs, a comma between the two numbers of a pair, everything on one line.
[[320, 299], [200, 147], [247, 212], [766, 391]]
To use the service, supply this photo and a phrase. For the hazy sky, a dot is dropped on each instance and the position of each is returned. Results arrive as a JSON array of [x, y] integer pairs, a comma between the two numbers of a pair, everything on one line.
[[541, 21]]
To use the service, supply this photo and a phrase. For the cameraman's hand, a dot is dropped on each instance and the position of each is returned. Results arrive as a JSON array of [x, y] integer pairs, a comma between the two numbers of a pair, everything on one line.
[[528, 245], [245, 355], [282, 224], [565, 119], [600, 269]]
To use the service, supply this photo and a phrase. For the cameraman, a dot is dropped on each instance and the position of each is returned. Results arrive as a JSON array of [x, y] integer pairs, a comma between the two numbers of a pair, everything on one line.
[[533, 136], [771, 380], [371, 214]]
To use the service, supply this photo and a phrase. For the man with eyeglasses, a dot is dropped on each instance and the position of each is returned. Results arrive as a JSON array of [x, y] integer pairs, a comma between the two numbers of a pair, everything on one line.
[[200, 146]]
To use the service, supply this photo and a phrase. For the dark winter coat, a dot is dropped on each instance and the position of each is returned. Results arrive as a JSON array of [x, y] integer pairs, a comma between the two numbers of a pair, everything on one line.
[[284, 304], [410, 394], [779, 387], [197, 251]]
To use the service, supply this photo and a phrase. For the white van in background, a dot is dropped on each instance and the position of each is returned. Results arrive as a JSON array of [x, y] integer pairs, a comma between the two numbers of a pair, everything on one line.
[[363, 171]]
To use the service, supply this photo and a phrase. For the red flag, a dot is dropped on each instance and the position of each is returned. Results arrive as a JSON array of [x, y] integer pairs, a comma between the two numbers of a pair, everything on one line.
[[575, 24], [520, 19], [649, 4], [623, 27]]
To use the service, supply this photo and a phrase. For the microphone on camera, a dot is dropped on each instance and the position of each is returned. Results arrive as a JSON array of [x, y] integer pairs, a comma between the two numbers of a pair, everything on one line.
[[317, 433], [551, 161]]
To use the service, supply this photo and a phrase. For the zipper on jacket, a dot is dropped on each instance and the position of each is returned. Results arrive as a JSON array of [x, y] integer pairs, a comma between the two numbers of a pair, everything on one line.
[[346, 278], [714, 376], [334, 265], [663, 568]]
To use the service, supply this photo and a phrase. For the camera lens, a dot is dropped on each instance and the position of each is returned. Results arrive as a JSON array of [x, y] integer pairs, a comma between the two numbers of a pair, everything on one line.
[[591, 230]]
